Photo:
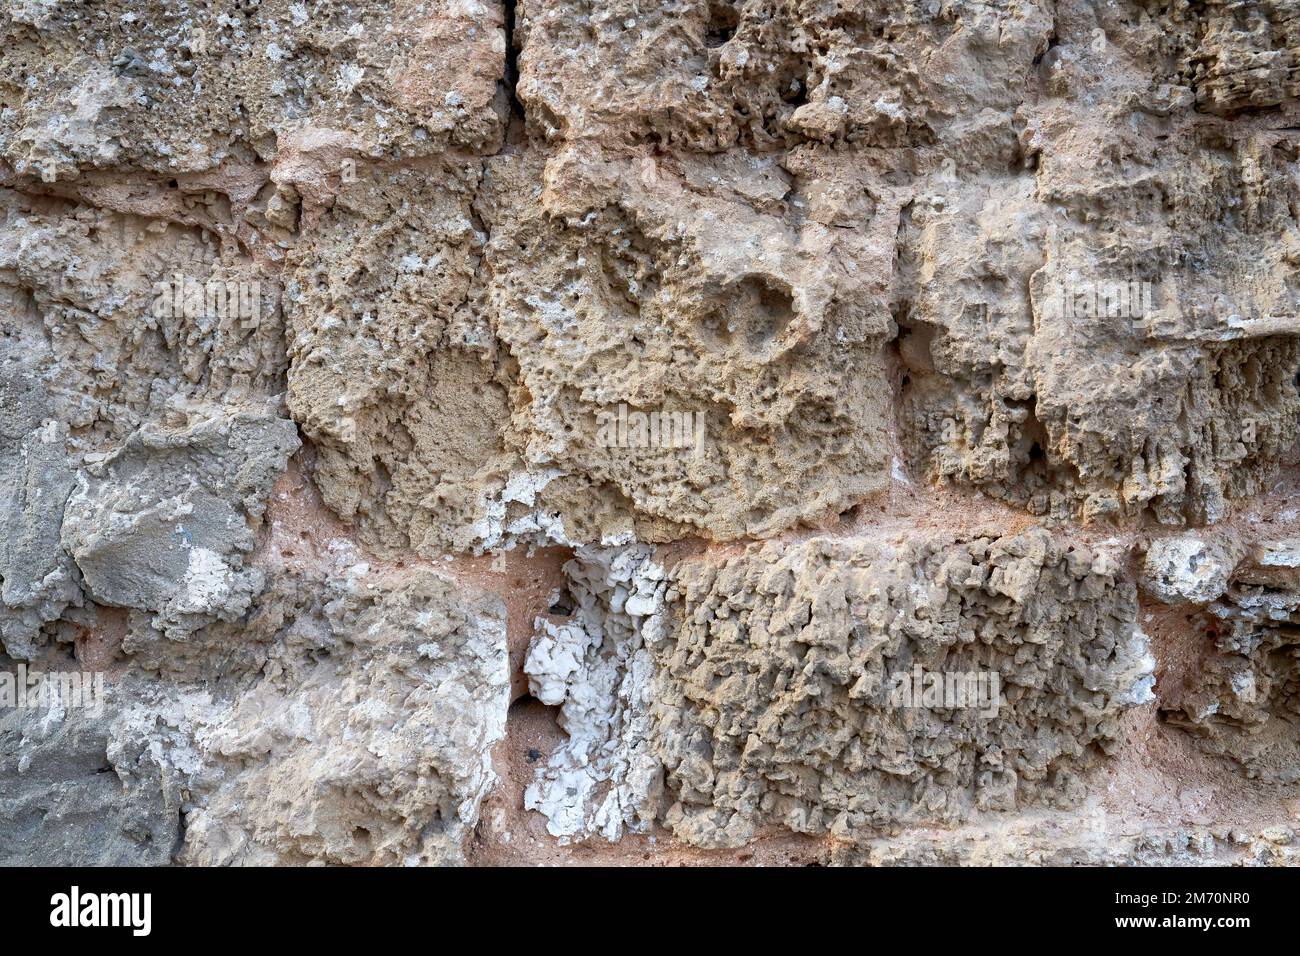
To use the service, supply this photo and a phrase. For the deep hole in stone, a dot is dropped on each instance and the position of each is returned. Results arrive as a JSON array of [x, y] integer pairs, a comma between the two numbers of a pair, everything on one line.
[[723, 20]]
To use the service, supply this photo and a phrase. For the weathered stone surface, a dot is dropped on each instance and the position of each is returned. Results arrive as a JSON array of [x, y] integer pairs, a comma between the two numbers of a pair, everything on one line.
[[1186, 568], [354, 725], [626, 285], [163, 524], [64, 802], [1071, 840], [782, 670], [91, 302], [551, 431], [142, 360], [392, 378], [365, 739], [1248, 56], [1181, 401], [1243, 702], [187, 87], [37, 579], [763, 685], [708, 75]]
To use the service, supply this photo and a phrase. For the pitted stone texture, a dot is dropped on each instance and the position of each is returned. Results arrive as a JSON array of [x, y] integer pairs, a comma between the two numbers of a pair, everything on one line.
[[135, 411], [99, 375], [1169, 414], [702, 289], [1248, 57], [188, 86], [1187, 568], [1169, 411], [773, 705], [762, 684], [712, 74], [834, 234], [669, 284], [393, 379]]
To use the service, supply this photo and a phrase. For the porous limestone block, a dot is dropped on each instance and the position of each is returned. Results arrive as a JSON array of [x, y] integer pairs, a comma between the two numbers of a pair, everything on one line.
[[761, 690], [189, 86]]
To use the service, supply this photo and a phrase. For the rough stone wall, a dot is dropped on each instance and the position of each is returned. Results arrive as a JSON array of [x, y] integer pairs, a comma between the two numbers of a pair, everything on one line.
[[858, 432]]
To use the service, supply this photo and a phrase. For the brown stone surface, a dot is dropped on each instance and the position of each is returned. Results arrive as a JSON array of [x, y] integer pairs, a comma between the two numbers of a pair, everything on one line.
[[550, 432]]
